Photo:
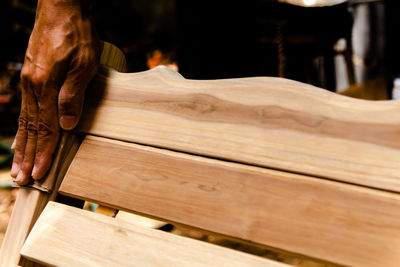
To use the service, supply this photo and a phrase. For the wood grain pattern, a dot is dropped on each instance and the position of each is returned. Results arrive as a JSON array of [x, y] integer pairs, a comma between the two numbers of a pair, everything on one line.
[[66, 236], [341, 223], [262, 121]]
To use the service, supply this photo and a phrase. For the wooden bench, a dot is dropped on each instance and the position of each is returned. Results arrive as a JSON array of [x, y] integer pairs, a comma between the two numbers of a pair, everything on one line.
[[267, 162]]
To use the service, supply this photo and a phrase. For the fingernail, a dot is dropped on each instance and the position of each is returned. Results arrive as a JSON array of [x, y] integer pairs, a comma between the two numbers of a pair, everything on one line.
[[14, 170], [13, 144], [19, 177], [67, 122], [34, 173]]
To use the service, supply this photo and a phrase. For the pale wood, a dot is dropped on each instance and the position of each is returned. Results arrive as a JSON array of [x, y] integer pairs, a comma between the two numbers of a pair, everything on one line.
[[139, 220], [29, 204], [66, 236], [340, 223], [130, 217], [264, 121]]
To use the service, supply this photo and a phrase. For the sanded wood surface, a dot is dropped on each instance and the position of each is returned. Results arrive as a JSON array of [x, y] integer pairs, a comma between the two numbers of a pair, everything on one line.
[[271, 122], [340, 223], [66, 236]]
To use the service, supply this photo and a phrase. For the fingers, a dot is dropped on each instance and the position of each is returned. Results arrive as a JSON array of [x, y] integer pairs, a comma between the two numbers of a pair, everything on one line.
[[70, 102], [26, 141], [20, 141], [71, 96], [38, 129], [47, 134], [47, 128]]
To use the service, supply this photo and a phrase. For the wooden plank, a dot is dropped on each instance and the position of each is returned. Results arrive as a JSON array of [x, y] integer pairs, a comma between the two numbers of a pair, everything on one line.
[[341, 223], [270, 122], [66, 236]]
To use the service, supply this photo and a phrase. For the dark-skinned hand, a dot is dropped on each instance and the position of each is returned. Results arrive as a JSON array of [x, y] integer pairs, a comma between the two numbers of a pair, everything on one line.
[[61, 59]]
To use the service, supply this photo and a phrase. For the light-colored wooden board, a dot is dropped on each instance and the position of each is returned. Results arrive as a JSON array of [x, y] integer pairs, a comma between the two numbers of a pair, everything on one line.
[[67, 236], [332, 221], [264, 121]]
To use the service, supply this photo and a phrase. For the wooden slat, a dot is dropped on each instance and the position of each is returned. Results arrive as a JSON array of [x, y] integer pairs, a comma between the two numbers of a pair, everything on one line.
[[341, 223], [66, 236], [270, 122]]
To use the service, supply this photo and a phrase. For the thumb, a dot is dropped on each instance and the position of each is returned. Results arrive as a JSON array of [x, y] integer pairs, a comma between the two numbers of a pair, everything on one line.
[[70, 102]]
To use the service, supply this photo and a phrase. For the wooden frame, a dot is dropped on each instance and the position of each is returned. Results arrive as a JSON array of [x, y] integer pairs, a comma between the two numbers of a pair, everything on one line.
[[267, 161]]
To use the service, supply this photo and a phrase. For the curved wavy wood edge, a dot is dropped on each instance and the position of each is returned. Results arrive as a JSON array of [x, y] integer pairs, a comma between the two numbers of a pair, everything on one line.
[[264, 121]]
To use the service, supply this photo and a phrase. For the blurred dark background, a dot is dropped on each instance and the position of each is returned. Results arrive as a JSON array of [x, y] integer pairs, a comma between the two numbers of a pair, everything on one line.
[[350, 47]]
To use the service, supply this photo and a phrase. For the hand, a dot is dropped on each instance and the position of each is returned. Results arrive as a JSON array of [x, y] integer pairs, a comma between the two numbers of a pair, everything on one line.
[[62, 57]]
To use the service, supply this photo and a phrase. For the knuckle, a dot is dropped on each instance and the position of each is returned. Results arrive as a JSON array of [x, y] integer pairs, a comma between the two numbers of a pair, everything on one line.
[[38, 78], [45, 129], [32, 128], [25, 77], [33, 77], [22, 122]]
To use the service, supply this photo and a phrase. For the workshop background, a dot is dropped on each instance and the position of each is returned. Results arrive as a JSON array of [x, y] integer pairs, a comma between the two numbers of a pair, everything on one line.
[[348, 47]]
